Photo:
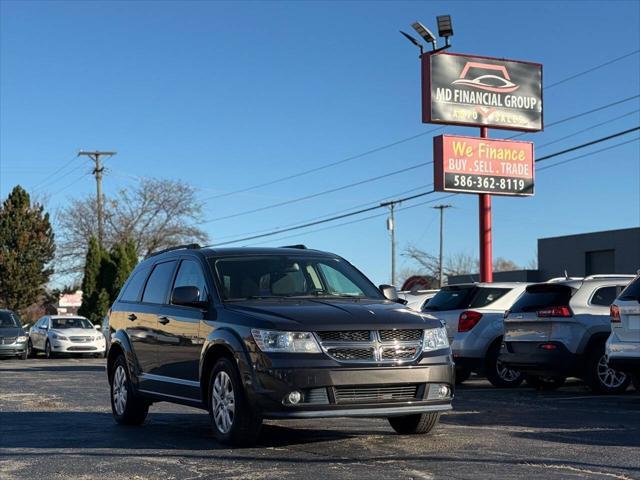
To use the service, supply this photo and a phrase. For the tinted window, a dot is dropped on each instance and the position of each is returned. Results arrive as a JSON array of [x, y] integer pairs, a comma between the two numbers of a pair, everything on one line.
[[604, 296], [134, 286], [190, 275], [486, 296], [70, 322], [537, 297], [157, 289], [451, 298], [632, 292], [8, 320]]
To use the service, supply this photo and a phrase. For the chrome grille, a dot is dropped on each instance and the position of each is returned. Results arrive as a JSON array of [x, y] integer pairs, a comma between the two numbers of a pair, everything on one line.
[[372, 346], [345, 336], [7, 340], [81, 339], [375, 394], [400, 335], [351, 353]]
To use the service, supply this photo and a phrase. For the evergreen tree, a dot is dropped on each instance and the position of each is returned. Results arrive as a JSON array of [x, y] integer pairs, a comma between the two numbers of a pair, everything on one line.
[[90, 279], [26, 249]]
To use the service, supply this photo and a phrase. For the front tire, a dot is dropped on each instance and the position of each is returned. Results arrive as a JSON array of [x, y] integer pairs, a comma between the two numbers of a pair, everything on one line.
[[419, 424], [24, 355], [30, 351], [233, 421], [126, 406], [498, 373], [545, 384], [48, 353], [600, 377]]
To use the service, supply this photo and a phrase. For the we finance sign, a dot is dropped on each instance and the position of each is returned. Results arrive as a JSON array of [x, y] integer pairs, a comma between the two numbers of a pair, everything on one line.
[[481, 165], [481, 91]]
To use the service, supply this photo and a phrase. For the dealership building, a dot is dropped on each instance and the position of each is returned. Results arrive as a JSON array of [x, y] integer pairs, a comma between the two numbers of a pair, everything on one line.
[[610, 251]]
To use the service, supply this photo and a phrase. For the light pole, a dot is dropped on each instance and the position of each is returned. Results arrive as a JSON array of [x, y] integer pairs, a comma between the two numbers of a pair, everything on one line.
[[391, 226], [440, 272]]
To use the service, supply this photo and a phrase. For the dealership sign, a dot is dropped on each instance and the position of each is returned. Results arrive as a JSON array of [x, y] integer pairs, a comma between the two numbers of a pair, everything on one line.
[[481, 165], [481, 91]]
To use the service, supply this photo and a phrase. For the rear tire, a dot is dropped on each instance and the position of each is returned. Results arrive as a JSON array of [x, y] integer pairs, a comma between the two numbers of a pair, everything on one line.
[[600, 377], [499, 374], [462, 375], [635, 379], [419, 424], [233, 421], [545, 384], [126, 406]]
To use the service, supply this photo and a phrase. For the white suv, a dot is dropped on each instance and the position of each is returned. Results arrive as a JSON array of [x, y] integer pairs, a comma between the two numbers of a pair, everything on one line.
[[558, 329], [473, 314], [623, 345]]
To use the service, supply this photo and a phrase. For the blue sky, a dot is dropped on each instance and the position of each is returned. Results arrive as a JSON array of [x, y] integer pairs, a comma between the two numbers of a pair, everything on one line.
[[225, 95]]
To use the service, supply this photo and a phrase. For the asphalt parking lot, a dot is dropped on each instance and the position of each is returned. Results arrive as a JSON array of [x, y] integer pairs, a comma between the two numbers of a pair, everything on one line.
[[55, 422]]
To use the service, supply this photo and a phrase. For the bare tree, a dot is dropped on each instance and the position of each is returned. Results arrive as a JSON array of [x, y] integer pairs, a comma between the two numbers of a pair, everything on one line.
[[503, 265], [428, 264], [156, 214]]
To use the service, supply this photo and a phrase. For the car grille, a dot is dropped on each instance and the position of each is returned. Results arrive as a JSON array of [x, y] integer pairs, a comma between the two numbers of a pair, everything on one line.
[[8, 340], [81, 339], [81, 349], [375, 394], [372, 346]]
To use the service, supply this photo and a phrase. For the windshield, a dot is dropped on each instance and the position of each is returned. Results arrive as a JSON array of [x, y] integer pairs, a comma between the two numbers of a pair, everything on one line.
[[9, 320], [62, 323], [280, 276]]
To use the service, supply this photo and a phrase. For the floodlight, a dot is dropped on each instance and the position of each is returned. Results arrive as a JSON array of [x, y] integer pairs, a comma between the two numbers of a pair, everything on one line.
[[445, 28], [414, 41], [425, 33]]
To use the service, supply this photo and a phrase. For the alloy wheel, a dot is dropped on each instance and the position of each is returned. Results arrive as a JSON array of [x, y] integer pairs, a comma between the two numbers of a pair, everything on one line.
[[119, 390], [609, 377], [505, 373], [223, 402], [47, 350]]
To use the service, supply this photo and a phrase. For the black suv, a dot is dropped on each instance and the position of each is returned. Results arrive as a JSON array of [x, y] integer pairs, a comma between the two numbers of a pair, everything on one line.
[[262, 333]]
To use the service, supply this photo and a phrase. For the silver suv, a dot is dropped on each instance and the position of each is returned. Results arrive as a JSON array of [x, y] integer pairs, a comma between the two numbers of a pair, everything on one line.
[[473, 315], [559, 329]]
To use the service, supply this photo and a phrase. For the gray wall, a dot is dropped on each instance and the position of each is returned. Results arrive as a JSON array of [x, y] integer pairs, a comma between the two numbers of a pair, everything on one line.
[[557, 254], [512, 276]]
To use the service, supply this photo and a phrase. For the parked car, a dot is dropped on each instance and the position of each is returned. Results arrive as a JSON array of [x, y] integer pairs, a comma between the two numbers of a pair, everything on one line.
[[623, 345], [473, 314], [273, 333], [416, 299], [559, 329], [13, 339], [57, 334]]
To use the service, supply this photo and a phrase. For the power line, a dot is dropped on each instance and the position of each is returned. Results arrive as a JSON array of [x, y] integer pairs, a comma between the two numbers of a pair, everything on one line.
[[572, 159], [364, 210], [44, 180]]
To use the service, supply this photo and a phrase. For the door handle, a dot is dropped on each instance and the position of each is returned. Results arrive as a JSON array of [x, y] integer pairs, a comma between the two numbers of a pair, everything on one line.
[[163, 320], [132, 317]]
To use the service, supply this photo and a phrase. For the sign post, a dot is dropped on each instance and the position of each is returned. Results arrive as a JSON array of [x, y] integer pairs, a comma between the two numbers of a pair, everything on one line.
[[484, 92]]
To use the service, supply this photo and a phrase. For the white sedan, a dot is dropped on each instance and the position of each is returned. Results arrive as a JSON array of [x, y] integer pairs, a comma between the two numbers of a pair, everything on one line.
[[54, 334]]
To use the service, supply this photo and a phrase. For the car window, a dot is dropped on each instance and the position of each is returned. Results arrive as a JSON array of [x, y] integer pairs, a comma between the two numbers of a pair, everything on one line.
[[157, 288], [486, 296], [604, 296], [451, 298], [190, 275], [632, 292], [536, 297], [131, 292]]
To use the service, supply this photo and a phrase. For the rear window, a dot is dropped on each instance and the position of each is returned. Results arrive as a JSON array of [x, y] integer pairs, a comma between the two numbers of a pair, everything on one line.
[[632, 292], [457, 298], [134, 286], [537, 297], [157, 289]]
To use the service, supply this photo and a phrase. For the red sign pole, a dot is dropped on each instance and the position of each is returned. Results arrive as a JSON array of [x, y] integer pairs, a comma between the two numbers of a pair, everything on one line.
[[486, 261]]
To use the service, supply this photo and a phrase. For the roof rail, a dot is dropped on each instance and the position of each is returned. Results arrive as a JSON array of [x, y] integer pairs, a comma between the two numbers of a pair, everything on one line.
[[609, 275], [563, 279], [299, 246], [188, 246]]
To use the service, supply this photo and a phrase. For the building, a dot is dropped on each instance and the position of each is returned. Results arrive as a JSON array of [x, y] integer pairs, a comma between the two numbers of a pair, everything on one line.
[[610, 251]]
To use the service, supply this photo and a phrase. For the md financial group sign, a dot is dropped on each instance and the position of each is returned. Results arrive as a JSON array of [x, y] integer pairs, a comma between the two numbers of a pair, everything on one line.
[[488, 92]]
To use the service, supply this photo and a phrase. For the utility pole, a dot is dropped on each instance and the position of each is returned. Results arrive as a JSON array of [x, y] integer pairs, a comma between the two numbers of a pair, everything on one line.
[[391, 226], [97, 172], [440, 269]]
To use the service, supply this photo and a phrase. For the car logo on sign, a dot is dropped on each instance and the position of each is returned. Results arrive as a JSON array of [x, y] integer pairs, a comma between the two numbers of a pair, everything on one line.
[[487, 81]]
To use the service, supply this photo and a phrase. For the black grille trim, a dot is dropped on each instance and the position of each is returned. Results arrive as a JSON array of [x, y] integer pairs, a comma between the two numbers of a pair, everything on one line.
[[374, 394], [345, 336], [400, 335]]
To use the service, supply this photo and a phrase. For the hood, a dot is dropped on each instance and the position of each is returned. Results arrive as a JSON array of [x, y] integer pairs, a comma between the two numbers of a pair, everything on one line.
[[11, 332], [331, 314], [75, 332]]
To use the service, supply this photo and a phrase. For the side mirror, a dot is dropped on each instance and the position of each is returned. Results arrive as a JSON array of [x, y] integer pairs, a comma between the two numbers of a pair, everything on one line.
[[97, 327], [187, 297], [390, 293]]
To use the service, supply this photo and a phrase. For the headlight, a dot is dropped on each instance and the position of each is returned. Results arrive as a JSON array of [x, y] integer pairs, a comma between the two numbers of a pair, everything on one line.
[[435, 339], [290, 342], [22, 339], [57, 336]]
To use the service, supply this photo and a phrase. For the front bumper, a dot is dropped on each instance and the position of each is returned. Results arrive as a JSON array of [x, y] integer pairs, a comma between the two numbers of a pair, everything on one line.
[[65, 346], [13, 349], [528, 357], [623, 356], [350, 391]]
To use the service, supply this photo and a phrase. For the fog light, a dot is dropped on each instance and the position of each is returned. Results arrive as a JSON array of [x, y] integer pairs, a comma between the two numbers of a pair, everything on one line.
[[294, 397], [443, 391], [438, 391]]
